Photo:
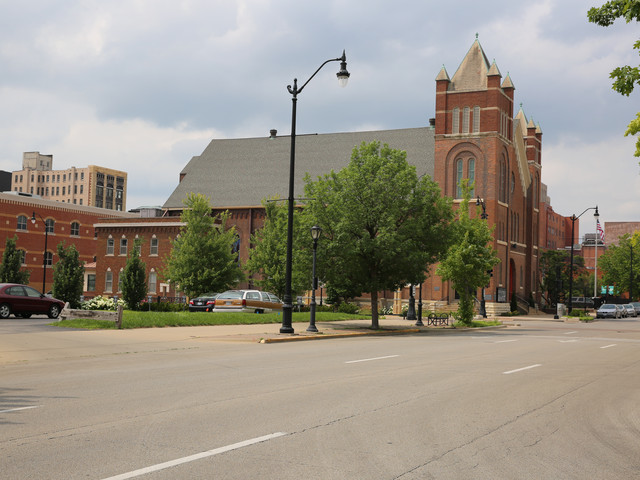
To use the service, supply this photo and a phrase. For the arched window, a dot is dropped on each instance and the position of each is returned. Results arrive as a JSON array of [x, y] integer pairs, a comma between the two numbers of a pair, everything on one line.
[[123, 246], [472, 175], [153, 281], [459, 173], [49, 225], [455, 120], [108, 281], [22, 222], [110, 245], [153, 248], [476, 119], [465, 120], [75, 229], [502, 185]]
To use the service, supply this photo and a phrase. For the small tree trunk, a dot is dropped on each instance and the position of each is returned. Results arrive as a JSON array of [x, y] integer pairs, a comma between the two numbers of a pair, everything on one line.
[[374, 310]]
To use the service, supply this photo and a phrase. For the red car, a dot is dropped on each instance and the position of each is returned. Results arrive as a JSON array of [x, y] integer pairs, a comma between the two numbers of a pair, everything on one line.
[[24, 301]]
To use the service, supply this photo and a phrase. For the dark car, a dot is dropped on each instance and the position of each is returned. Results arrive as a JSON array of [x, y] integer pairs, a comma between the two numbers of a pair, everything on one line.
[[203, 303], [609, 310], [24, 301]]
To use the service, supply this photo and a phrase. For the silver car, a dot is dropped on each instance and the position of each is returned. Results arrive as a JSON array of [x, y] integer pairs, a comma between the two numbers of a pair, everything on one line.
[[631, 312], [608, 310]]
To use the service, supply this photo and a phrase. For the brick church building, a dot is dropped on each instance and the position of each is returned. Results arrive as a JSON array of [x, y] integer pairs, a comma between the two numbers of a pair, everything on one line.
[[476, 134]]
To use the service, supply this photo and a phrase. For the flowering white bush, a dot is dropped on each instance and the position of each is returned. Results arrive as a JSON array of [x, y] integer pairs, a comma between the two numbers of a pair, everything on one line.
[[102, 303]]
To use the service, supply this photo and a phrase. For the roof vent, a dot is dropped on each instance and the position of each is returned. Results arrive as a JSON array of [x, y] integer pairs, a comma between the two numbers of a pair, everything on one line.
[[272, 133], [432, 122]]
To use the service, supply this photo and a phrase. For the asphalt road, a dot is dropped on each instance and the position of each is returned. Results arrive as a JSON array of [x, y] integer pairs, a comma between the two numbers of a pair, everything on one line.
[[544, 400]]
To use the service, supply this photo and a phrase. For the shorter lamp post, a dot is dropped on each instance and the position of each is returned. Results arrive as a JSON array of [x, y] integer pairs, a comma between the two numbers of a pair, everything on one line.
[[573, 219], [484, 216], [419, 322], [44, 255], [411, 311], [315, 235]]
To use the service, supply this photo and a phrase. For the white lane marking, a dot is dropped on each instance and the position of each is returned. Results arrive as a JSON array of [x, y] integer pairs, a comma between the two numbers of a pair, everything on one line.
[[607, 346], [20, 408], [370, 359], [569, 333], [197, 456], [523, 368], [505, 341], [568, 341]]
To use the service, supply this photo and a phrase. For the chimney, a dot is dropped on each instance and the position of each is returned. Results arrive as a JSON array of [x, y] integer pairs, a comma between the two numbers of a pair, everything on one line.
[[272, 133]]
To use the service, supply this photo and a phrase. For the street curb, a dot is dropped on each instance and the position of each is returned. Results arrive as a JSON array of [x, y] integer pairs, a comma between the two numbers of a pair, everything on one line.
[[302, 337]]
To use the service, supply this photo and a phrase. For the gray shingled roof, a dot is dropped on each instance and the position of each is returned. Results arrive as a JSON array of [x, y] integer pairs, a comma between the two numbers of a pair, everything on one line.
[[242, 172]]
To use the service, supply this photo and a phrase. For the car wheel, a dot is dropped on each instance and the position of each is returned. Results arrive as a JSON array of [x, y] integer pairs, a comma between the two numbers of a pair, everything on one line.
[[5, 311], [54, 311]]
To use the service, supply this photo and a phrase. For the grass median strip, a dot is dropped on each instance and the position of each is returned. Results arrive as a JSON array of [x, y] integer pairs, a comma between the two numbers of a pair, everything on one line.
[[137, 319]]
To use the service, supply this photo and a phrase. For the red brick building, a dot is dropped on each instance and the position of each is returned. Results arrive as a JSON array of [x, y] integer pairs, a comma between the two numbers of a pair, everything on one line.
[[68, 223], [474, 135]]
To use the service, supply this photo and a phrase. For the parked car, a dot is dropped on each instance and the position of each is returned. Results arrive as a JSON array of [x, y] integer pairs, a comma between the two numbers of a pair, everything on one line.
[[623, 312], [631, 312], [24, 301], [636, 306], [248, 301], [203, 303], [608, 310]]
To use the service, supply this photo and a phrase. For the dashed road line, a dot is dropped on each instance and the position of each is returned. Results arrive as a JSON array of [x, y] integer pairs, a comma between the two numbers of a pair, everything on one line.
[[197, 456], [523, 368], [371, 359], [17, 409], [609, 346]]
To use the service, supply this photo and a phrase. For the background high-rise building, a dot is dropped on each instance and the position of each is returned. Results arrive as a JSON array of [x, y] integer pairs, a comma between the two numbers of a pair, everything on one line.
[[90, 186]]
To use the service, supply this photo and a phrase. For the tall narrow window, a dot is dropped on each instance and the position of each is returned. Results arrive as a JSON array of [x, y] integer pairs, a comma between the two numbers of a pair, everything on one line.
[[110, 245], [48, 259], [153, 250], [75, 229], [476, 119], [455, 120], [459, 165], [123, 246], [153, 279], [465, 120], [49, 225], [22, 222], [472, 175], [108, 281]]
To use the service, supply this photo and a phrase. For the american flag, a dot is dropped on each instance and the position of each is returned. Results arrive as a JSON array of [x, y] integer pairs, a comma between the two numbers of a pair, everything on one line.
[[600, 231]]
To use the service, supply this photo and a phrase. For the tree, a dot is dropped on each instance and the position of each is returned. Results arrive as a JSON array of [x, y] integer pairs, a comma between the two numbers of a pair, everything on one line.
[[626, 77], [68, 275], [269, 250], [555, 268], [10, 269], [382, 226], [202, 257], [617, 267], [134, 278], [470, 259]]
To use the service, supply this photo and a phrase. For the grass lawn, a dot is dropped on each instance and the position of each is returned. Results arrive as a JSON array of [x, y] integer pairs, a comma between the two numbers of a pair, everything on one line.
[[134, 319]]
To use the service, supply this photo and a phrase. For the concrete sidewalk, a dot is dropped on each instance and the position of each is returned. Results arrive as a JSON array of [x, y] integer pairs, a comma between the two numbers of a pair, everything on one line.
[[54, 343]]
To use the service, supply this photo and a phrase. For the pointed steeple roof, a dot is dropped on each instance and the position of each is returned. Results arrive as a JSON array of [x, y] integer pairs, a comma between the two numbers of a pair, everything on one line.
[[507, 83], [472, 72], [494, 70], [443, 75]]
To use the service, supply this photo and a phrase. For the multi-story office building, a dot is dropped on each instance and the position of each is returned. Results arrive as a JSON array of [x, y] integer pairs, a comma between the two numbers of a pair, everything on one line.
[[89, 186]]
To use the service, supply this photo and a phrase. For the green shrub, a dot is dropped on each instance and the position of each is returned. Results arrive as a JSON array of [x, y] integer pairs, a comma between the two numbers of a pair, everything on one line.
[[164, 307], [348, 308]]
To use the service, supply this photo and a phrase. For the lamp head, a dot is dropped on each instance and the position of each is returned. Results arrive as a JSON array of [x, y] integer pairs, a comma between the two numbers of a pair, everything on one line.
[[478, 203], [596, 214], [343, 75], [315, 232], [33, 217]]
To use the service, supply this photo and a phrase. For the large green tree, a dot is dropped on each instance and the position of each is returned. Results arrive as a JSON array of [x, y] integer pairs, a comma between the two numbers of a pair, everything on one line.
[[134, 279], [269, 250], [382, 225], [202, 257], [625, 78], [11, 267], [617, 266], [68, 275], [555, 268], [470, 259]]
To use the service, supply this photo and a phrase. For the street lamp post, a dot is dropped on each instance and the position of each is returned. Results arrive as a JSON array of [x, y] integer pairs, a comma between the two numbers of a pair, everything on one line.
[[631, 273], [315, 235], [411, 311], [343, 77], [44, 255], [419, 322], [484, 216], [573, 226]]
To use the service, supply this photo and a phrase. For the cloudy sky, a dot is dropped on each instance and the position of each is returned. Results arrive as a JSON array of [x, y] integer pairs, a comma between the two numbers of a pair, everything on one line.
[[142, 85]]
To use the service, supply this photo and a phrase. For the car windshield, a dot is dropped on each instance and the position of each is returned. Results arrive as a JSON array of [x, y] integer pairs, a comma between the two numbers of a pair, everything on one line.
[[608, 307]]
